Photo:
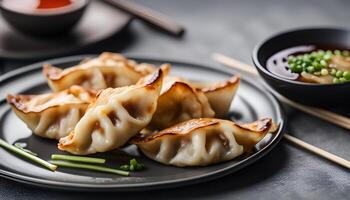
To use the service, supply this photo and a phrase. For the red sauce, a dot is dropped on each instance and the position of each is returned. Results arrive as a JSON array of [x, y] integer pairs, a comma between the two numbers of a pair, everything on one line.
[[38, 5], [47, 4]]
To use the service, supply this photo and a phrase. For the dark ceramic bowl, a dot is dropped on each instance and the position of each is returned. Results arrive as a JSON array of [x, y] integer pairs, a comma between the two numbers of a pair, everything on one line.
[[47, 22], [305, 93]]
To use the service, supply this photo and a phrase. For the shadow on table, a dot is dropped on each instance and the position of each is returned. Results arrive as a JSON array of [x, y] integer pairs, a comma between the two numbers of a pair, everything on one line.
[[249, 177]]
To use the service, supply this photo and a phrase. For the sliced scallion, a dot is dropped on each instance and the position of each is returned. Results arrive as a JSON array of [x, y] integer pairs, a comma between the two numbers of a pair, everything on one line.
[[27, 155], [78, 158], [89, 167]]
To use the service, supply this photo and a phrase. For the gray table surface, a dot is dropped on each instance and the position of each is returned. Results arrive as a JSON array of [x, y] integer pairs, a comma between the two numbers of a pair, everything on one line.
[[233, 28]]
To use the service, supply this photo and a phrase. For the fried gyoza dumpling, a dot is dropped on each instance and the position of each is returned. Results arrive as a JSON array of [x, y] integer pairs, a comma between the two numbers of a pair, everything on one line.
[[115, 116], [52, 115], [108, 70], [201, 142], [179, 102], [221, 95]]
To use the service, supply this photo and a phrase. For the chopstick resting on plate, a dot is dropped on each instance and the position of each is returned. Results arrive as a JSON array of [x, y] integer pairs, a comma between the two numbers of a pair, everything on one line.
[[321, 113]]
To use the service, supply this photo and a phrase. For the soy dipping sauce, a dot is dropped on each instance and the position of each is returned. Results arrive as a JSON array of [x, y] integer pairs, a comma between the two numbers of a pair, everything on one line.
[[278, 63]]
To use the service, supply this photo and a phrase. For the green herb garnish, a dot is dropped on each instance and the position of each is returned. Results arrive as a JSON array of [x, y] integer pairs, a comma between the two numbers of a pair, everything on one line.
[[132, 166], [27, 155], [89, 167], [78, 158], [317, 63]]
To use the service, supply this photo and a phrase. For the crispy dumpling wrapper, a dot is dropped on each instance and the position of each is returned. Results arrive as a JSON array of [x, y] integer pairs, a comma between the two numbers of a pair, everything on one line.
[[52, 115], [220, 95], [115, 116], [201, 142], [108, 70], [179, 102]]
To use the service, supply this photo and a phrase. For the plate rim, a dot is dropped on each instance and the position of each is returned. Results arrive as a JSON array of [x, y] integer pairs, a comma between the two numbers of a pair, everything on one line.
[[61, 185]]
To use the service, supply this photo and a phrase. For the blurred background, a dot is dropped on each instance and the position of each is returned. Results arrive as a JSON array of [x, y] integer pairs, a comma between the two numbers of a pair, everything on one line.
[[232, 27]]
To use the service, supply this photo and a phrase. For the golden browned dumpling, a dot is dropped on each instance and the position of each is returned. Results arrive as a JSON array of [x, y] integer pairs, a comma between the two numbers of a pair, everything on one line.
[[115, 116], [108, 70], [52, 115], [201, 142], [178, 102], [220, 95]]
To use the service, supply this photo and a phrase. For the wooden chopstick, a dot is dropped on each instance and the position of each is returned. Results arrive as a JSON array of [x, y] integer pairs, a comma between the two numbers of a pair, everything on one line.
[[318, 151], [317, 112], [150, 16], [323, 114]]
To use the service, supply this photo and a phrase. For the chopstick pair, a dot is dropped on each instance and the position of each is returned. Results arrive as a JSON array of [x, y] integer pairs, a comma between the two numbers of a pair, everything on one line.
[[317, 112]]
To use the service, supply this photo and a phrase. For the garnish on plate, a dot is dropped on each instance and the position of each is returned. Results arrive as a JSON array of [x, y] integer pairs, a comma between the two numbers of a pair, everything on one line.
[[71, 164], [27, 155], [133, 165], [78, 158]]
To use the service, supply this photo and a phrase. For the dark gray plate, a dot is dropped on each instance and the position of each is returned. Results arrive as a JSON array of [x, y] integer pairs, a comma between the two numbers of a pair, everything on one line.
[[251, 103], [101, 21]]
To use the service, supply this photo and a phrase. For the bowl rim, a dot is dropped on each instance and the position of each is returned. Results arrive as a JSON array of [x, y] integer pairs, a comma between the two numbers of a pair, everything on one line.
[[261, 68], [81, 4]]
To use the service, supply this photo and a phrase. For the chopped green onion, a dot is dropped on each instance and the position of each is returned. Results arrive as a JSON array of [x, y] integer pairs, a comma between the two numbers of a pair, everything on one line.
[[89, 167], [336, 80], [27, 155], [333, 72], [133, 162], [342, 80], [324, 72], [339, 74], [337, 52], [132, 166], [310, 69], [346, 75], [323, 63], [327, 56], [78, 158]]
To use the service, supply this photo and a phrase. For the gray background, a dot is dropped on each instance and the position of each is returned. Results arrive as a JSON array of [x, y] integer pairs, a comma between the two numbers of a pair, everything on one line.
[[233, 28]]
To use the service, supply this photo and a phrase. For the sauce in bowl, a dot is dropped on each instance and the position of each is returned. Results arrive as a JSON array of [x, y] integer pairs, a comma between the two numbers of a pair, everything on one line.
[[278, 63], [38, 6], [311, 64]]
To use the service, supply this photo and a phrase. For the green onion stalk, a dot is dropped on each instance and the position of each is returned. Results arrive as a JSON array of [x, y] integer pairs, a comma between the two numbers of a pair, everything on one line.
[[70, 164], [27, 155], [78, 158]]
